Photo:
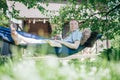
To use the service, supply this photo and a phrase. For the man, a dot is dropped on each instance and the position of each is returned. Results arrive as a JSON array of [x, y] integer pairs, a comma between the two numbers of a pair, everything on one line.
[[73, 39], [69, 45]]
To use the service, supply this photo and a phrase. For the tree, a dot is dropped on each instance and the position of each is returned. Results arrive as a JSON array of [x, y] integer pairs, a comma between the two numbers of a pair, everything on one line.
[[99, 15]]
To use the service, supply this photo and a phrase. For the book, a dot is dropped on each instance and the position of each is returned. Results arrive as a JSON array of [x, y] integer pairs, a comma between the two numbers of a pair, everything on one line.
[[53, 43]]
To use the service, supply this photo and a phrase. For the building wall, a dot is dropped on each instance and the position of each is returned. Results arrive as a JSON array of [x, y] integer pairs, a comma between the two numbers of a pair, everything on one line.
[[39, 28]]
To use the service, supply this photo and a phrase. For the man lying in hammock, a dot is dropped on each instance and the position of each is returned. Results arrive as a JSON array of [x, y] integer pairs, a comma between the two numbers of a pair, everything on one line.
[[67, 46], [72, 40]]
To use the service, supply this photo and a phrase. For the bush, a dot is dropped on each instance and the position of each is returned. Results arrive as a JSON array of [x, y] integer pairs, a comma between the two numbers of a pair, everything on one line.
[[112, 53]]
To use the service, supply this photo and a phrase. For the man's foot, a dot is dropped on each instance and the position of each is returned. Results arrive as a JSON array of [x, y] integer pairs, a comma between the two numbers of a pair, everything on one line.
[[14, 33]]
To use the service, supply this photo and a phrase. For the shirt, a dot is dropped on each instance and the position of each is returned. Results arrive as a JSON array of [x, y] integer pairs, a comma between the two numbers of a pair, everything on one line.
[[73, 36]]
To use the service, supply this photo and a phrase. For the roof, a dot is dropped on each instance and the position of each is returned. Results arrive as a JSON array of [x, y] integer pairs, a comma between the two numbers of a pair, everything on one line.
[[24, 12]]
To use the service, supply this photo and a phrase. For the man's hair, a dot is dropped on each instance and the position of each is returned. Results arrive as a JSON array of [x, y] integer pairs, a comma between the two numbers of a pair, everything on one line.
[[86, 34], [91, 40]]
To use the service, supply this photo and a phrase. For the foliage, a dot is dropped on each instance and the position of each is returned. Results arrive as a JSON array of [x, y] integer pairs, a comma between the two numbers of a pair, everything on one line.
[[4, 21], [3, 5], [97, 15]]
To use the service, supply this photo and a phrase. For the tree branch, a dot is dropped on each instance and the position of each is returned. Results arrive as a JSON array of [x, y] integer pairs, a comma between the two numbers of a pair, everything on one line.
[[106, 13], [92, 16], [118, 6]]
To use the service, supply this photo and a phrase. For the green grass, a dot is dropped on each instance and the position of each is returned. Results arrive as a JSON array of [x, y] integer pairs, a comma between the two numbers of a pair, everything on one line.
[[53, 69]]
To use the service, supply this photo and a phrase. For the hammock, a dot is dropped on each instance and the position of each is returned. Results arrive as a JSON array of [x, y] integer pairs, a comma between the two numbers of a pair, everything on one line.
[[5, 34]]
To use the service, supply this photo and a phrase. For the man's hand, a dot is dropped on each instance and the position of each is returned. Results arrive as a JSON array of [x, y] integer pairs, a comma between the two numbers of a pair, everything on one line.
[[74, 45]]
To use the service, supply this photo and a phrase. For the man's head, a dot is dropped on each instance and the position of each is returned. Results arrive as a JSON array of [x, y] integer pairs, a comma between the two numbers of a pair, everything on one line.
[[73, 25], [86, 34]]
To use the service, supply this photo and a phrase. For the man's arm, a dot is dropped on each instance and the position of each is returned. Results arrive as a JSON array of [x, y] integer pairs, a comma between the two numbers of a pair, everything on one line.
[[74, 45]]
